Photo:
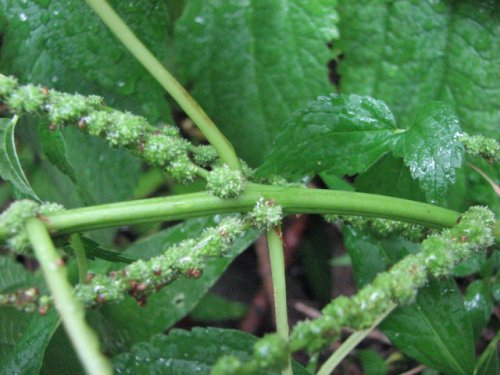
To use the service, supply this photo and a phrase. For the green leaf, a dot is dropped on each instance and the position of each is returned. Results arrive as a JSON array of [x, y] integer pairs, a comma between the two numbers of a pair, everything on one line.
[[93, 249], [188, 352], [389, 176], [252, 63], [108, 175], [54, 147], [430, 148], [23, 337], [171, 303], [478, 305], [488, 363], [67, 47], [27, 355], [372, 363], [10, 168], [411, 52], [470, 266], [215, 308], [371, 255], [344, 134], [435, 330]]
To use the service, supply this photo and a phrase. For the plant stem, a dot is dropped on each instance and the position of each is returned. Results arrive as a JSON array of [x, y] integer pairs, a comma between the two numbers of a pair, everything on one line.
[[349, 345], [293, 201], [169, 83], [81, 258], [84, 340], [277, 259]]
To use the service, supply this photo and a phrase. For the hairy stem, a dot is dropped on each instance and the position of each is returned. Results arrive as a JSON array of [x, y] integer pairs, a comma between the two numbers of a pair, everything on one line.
[[349, 345], [277, 259], [293, 201], [169, 83], [70, 309], [81, 258]]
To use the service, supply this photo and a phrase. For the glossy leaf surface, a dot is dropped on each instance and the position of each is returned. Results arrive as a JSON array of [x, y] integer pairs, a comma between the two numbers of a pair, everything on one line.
[[344, 134], [411, 52], [430, 148]]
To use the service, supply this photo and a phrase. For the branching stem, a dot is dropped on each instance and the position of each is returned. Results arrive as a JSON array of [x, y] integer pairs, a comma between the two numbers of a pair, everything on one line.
[[70, 309], [169, 83]]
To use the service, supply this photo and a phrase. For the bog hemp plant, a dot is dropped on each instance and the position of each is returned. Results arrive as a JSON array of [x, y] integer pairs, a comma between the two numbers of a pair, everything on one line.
[[29, 226]]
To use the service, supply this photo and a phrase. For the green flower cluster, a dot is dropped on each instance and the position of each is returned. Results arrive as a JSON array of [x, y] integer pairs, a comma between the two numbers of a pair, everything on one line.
[[439, 254], [144, 277], [13, 219], [383, 227], [266, 214], [224, 182], [27, 300], [161, 147], [488, 148]]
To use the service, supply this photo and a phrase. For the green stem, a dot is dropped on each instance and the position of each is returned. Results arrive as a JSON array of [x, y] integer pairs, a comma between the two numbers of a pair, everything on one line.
[[349, 345], [81, 258], [277, 259], [84, 340], [293, 201], [169, 83]]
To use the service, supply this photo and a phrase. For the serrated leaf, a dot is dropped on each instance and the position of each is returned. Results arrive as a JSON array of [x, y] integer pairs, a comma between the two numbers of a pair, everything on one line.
[[171, 303], [10, 168], [252, 63], [431, 149], [411, 52], [188, 352], [435, 330], [94, 249], [23, 338], [344, 134], [478, 305]]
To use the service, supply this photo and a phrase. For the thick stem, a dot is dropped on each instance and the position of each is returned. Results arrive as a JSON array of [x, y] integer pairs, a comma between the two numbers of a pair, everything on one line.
[[277, 259], [82, 337], [169, 83], [293, 201], [349, 345], [81, 258]]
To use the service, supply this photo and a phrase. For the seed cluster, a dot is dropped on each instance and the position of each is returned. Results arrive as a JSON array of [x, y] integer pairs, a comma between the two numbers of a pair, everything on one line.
[[27, 300], [266, 214], [439, 254], [224, 182], [488, 148], [13, 220], [384, 227], [142, 278], [162, 147]]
